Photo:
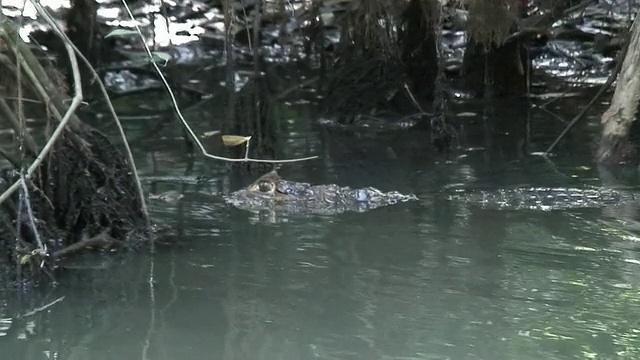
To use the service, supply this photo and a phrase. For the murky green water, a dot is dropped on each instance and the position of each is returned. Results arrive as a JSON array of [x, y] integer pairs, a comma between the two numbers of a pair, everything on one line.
[[425, 280]]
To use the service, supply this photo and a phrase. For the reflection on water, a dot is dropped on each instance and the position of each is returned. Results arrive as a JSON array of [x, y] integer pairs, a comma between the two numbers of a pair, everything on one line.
[[430, 279]]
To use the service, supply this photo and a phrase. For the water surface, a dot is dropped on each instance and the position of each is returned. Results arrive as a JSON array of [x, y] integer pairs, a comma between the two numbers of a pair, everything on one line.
[[431, 279]]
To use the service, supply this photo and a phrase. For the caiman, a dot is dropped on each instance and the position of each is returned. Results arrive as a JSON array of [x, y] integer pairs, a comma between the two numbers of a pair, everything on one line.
[[272, 193], [543, 198]]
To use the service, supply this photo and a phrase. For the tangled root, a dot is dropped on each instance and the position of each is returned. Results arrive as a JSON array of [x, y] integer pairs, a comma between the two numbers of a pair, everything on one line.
[[82, 196], [86, 186], [387, 48], [368, 72]]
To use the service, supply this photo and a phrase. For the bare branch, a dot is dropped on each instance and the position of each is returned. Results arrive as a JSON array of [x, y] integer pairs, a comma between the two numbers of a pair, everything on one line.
[[32, 222], [68, 42], [41, 308], [77, 100]]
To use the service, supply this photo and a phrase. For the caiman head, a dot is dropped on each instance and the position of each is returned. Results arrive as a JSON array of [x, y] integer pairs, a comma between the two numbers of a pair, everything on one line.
[[270, 192], [264, 192], [267, 184]]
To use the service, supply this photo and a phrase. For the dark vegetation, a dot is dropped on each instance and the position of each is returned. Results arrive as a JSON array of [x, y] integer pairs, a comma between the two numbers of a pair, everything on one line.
[[369, 60]]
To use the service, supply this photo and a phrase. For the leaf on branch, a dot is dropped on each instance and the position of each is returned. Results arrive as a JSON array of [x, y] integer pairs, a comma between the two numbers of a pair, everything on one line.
[[234, 140], [121, 32]]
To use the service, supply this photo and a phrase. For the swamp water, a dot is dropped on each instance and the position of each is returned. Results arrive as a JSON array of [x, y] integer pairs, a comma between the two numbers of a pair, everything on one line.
[[431, 279]]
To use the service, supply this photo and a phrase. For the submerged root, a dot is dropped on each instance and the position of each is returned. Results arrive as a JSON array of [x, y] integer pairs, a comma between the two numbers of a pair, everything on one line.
[[93, 188]]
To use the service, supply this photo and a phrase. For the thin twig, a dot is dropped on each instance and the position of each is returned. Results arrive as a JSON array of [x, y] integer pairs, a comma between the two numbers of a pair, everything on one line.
[[32, 148], [6, 61], [179, 113], [77, 100], [41, 308], [560, 118], [33, 101], [408, 117], [284, 93], [612, 77], [32, 222], [413, 99], [555, 98], [12, 159]]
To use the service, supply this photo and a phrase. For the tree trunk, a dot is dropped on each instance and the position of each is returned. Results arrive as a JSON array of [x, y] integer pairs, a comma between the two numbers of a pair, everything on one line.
[[491, 62], [614, 146]]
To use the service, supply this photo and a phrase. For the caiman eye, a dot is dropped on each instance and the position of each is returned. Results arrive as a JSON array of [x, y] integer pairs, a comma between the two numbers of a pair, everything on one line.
[[265, 186]]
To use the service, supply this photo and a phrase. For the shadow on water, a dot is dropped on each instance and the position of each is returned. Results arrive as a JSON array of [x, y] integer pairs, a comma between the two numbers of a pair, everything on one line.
[[432, 279]]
